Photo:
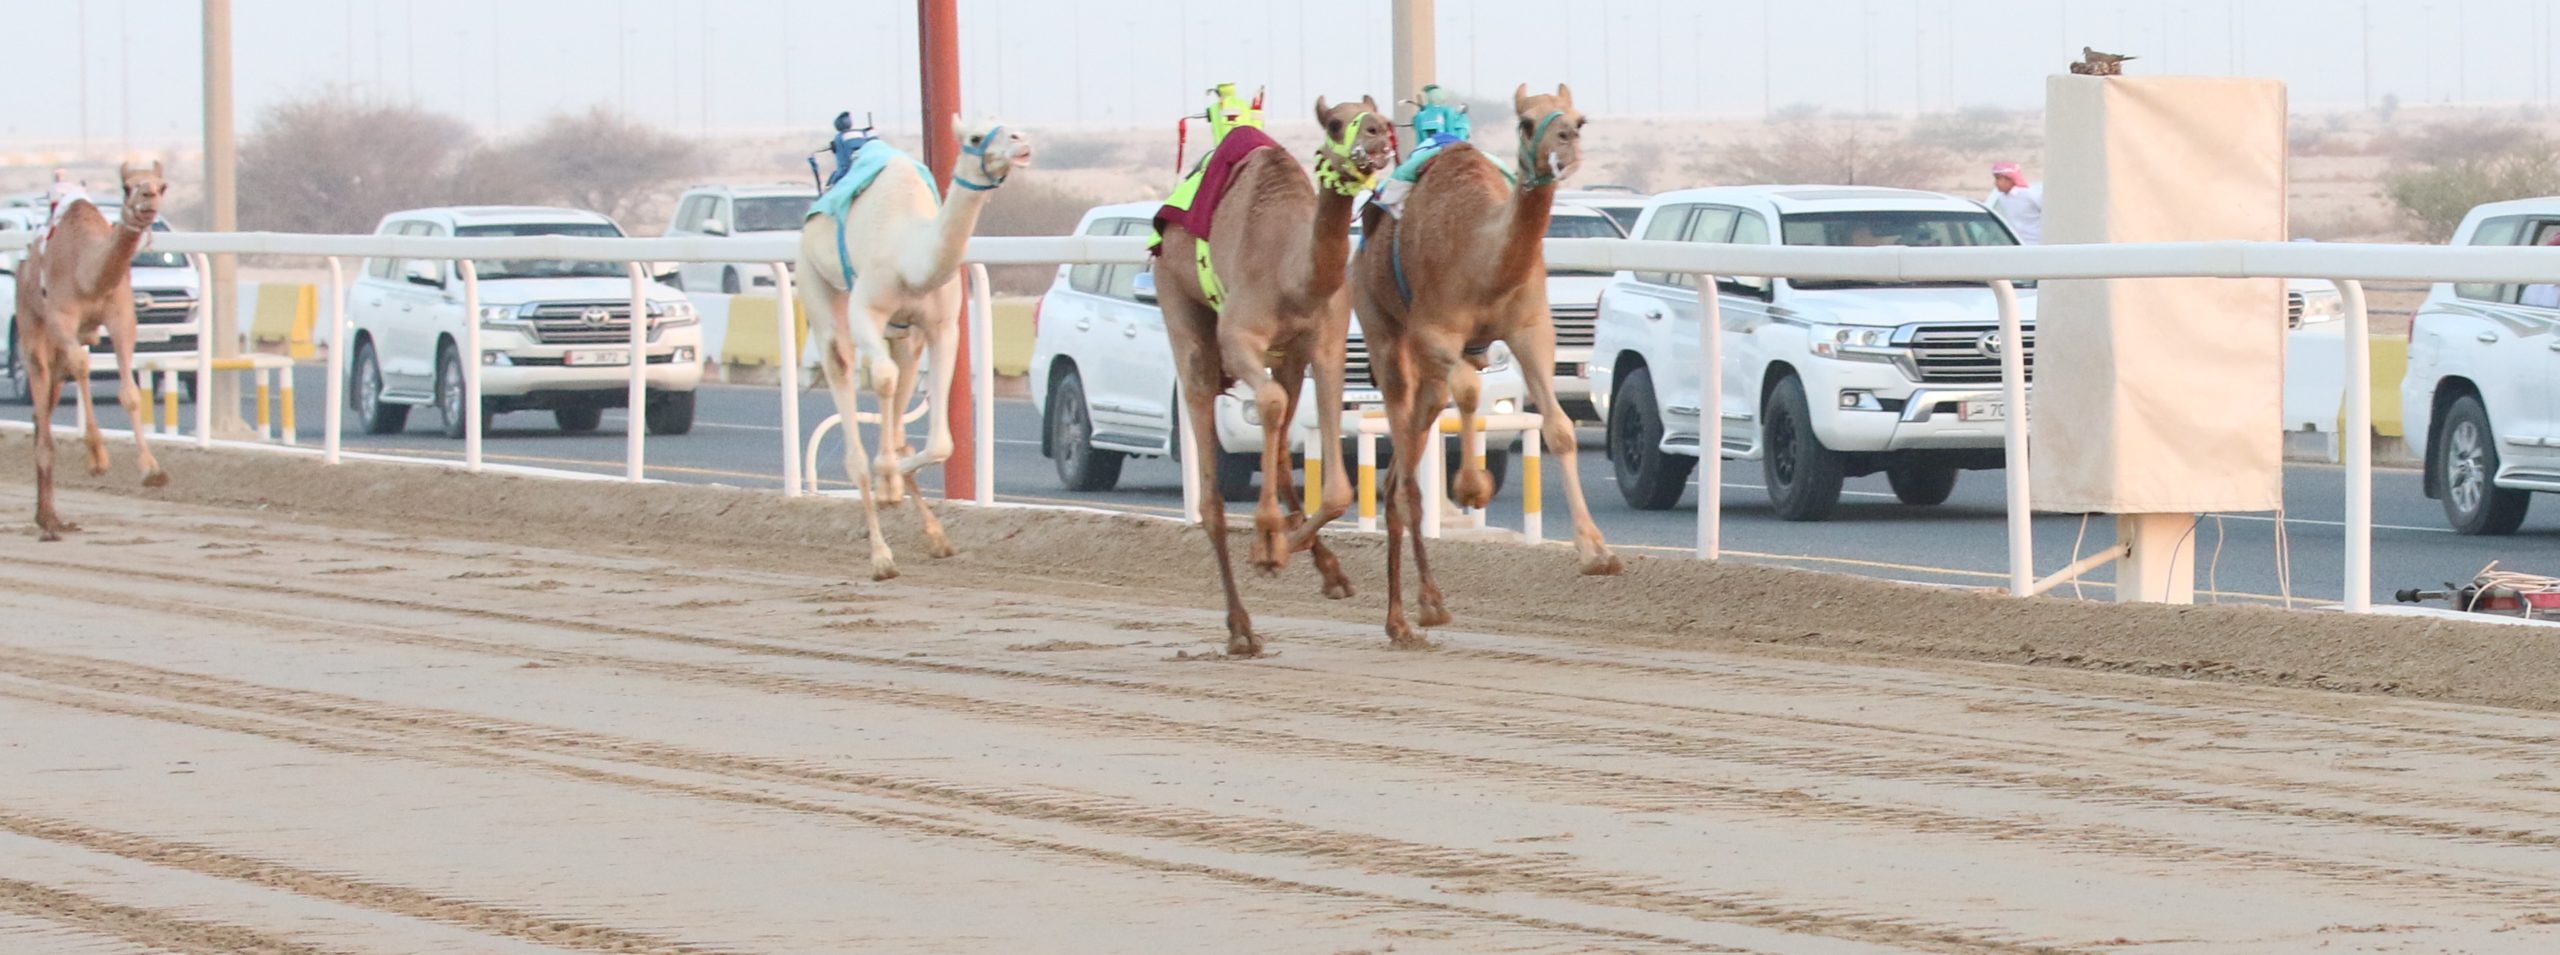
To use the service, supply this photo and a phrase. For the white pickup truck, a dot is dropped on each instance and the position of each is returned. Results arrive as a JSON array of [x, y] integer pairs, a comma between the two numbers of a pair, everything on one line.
[[2482, 393], [1823, 380], [1102, 376]]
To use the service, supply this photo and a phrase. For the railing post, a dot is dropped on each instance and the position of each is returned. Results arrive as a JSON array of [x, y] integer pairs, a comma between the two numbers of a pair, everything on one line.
[[982, 380], [2013, 384], [1190, 452], [1710, 420], [786, 309], [1434, 476], [1316, 453], [204, 353], [470, 365], [335, 389], [636, 433], [2357, 434], [1532, 493]]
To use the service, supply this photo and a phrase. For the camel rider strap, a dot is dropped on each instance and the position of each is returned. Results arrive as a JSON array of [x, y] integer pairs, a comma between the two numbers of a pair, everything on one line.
[[1335, 175], [979, 151], [1395, 260], [1529, 177]]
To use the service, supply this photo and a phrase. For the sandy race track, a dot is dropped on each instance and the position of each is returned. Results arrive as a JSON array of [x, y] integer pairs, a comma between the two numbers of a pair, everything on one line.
[[373, 710]]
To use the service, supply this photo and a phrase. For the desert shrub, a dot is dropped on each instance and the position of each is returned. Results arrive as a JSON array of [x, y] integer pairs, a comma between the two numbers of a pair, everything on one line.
[[334, 163], [2434, 198], [1031, 206], [1849, 154], [1975, 130]]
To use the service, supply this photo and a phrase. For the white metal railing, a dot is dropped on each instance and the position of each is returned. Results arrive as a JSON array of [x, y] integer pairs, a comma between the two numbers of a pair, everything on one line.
[[2346, 266]]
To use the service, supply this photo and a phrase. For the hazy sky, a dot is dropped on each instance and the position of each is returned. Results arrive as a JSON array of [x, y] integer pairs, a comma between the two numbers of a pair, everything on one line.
[[776, 64]]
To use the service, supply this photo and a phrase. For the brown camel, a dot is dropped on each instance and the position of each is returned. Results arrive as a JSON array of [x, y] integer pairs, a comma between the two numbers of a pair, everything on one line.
[[1461, 269], [78, 281], [1279, 247]]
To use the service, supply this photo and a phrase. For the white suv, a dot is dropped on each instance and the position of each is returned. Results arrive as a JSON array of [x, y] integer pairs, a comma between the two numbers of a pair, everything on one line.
[[1102, 376], [168, 306], [2482, 393], [1823, 380], [554, 333], [735, 211]]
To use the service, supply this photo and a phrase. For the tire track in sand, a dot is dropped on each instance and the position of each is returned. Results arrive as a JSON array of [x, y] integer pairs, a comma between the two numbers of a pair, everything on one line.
[[146, 927], [381, 897], [111, 687], [1606, 788]]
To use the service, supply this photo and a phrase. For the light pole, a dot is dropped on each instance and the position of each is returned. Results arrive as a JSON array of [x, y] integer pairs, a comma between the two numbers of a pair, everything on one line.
[[221, 177]]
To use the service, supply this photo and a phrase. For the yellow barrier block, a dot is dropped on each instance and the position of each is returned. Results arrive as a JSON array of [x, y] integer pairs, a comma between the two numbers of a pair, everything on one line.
[[285, 313], [751, 339], [2390, 356], [1013, 335]]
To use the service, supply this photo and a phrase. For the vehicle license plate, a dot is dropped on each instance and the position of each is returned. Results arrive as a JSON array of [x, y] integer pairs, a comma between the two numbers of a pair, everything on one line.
[[1982, 410], [1363, 397], [150, 333], [592, 357]]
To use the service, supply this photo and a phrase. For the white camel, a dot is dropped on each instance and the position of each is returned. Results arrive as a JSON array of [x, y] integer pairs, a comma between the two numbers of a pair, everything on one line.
[[902, 287]]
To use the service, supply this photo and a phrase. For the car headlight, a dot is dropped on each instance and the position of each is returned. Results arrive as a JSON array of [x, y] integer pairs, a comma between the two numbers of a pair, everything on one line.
[[671, 314], [2322, 305], [504, 317], [1497, 357], [1853, 343]]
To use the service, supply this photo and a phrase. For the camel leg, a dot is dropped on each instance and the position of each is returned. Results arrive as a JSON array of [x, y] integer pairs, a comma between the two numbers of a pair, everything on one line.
[[1430, 370], [46, 379], [129, 395], [90, 434], [1536, 353], [839, 363], [1193, 326], [1244, 357], [937, 446], [1337, 489], [1474, 487]]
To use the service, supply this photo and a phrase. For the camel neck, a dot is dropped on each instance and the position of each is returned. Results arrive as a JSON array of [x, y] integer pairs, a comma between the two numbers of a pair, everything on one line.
[[951, 229], [1328, 246], [1524, 228]]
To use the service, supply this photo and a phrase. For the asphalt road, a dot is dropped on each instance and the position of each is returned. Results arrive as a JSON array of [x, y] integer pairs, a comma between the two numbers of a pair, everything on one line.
[[737, 441]]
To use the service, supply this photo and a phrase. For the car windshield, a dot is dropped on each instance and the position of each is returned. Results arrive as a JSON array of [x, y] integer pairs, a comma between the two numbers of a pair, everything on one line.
[[1915, 229], [149, 259], [1624, 216], [490, 269], [1582, 227], [773, 213]]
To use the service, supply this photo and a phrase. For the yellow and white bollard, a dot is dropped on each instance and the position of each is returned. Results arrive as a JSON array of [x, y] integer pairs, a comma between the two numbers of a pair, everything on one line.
[[1368, 480], [284, 405], [266, 421], [149, 405], [1532, 509], [169, 401], [1315, 473], [1473, 442]]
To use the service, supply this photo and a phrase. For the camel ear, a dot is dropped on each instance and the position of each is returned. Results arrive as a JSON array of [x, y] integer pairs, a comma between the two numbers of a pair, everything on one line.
[[1520, 99], [124, 171], [155, 170], [1565, 92], [1369, 103], [1323, 111]]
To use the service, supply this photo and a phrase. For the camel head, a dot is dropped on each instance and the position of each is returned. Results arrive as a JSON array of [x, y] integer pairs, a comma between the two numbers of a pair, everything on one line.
[[1550, 135], [142, 191], [988, 153], [1359, 142]]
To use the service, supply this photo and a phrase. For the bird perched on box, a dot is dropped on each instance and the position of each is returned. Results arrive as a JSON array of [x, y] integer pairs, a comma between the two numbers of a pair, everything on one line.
[[2094, 63]]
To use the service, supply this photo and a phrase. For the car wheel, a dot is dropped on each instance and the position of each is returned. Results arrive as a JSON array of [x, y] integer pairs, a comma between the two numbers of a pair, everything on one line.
[[1236, 474], [671, 413], [450, 396], [1921, 485], [2473, 502], [364, 396], [728, 281], [578, 420], [1649, 479], [1803, 476], [1070, 424]]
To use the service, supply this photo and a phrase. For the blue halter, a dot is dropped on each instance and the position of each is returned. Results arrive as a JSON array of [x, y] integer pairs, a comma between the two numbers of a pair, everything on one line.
[[980, 151]]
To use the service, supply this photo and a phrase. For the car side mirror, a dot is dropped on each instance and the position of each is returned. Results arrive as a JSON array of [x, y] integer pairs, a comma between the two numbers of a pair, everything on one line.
[[1758, 285], [714, 227], [1143, 287], [424, 272], [664, 271]]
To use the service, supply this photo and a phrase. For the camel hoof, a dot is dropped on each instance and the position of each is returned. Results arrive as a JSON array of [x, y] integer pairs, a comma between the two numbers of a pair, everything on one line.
[[1603, 564], [1338, 590], [156, 478], [942, 550], [1246, 646], [46, 535], [97, 467], [1434, 615], [1403, 637], [1474, 490], [884, 570]]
